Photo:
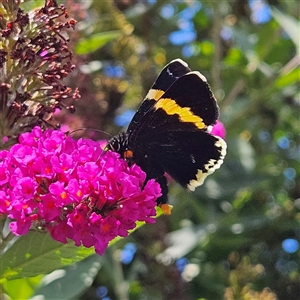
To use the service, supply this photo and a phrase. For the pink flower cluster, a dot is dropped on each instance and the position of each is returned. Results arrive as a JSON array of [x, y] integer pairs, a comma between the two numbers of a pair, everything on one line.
[[219, 130], [73, 189]]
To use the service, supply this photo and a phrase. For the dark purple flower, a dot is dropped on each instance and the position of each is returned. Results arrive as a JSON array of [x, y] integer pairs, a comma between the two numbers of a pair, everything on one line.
[[31, 86]]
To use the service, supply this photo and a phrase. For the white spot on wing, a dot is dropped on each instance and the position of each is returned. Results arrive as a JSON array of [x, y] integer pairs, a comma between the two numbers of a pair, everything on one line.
[[169, 72], [209, 128], [192, 158], [154, 94], [179, 61]]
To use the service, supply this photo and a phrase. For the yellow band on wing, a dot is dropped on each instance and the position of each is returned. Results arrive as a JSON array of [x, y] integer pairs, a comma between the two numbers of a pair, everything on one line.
[[185, 114]]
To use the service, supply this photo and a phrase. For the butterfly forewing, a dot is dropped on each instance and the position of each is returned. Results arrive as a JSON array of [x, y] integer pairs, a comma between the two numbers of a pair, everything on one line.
[[187, 105], [170, 73]]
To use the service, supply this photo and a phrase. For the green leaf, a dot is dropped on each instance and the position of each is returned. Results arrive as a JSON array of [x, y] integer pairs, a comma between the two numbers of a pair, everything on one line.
[[235, 57], [96, 41], [60, 283], [37, 253], [138, 225], [289, 24], [288, 79], [21, 288]]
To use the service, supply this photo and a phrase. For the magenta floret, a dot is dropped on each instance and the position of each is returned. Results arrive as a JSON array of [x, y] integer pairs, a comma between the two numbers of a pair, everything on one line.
[[73, 189]]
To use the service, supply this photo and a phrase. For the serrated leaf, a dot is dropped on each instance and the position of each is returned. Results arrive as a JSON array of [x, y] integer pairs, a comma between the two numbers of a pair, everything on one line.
[[96, 41]]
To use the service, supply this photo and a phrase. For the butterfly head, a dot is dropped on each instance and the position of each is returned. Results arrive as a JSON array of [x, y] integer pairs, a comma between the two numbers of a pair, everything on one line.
[[119, 143]]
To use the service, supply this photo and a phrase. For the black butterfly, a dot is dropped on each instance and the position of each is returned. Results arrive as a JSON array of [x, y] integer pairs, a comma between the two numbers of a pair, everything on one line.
[[169, 132]]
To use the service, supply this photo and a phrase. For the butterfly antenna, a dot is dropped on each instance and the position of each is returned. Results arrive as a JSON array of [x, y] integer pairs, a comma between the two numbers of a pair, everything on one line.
[[98, 130], [86, 128]]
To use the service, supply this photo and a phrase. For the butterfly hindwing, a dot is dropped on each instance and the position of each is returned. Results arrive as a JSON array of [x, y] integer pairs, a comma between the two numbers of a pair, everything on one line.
[[188, 157]]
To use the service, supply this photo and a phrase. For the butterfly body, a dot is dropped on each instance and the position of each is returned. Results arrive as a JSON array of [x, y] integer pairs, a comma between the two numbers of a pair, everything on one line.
[[170, 131]]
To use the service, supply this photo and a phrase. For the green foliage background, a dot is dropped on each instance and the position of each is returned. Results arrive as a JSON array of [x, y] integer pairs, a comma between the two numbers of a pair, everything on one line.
[[234, 225]]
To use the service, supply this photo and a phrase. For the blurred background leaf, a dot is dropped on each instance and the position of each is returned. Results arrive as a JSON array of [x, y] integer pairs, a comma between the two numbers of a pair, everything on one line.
[[96, 41]]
